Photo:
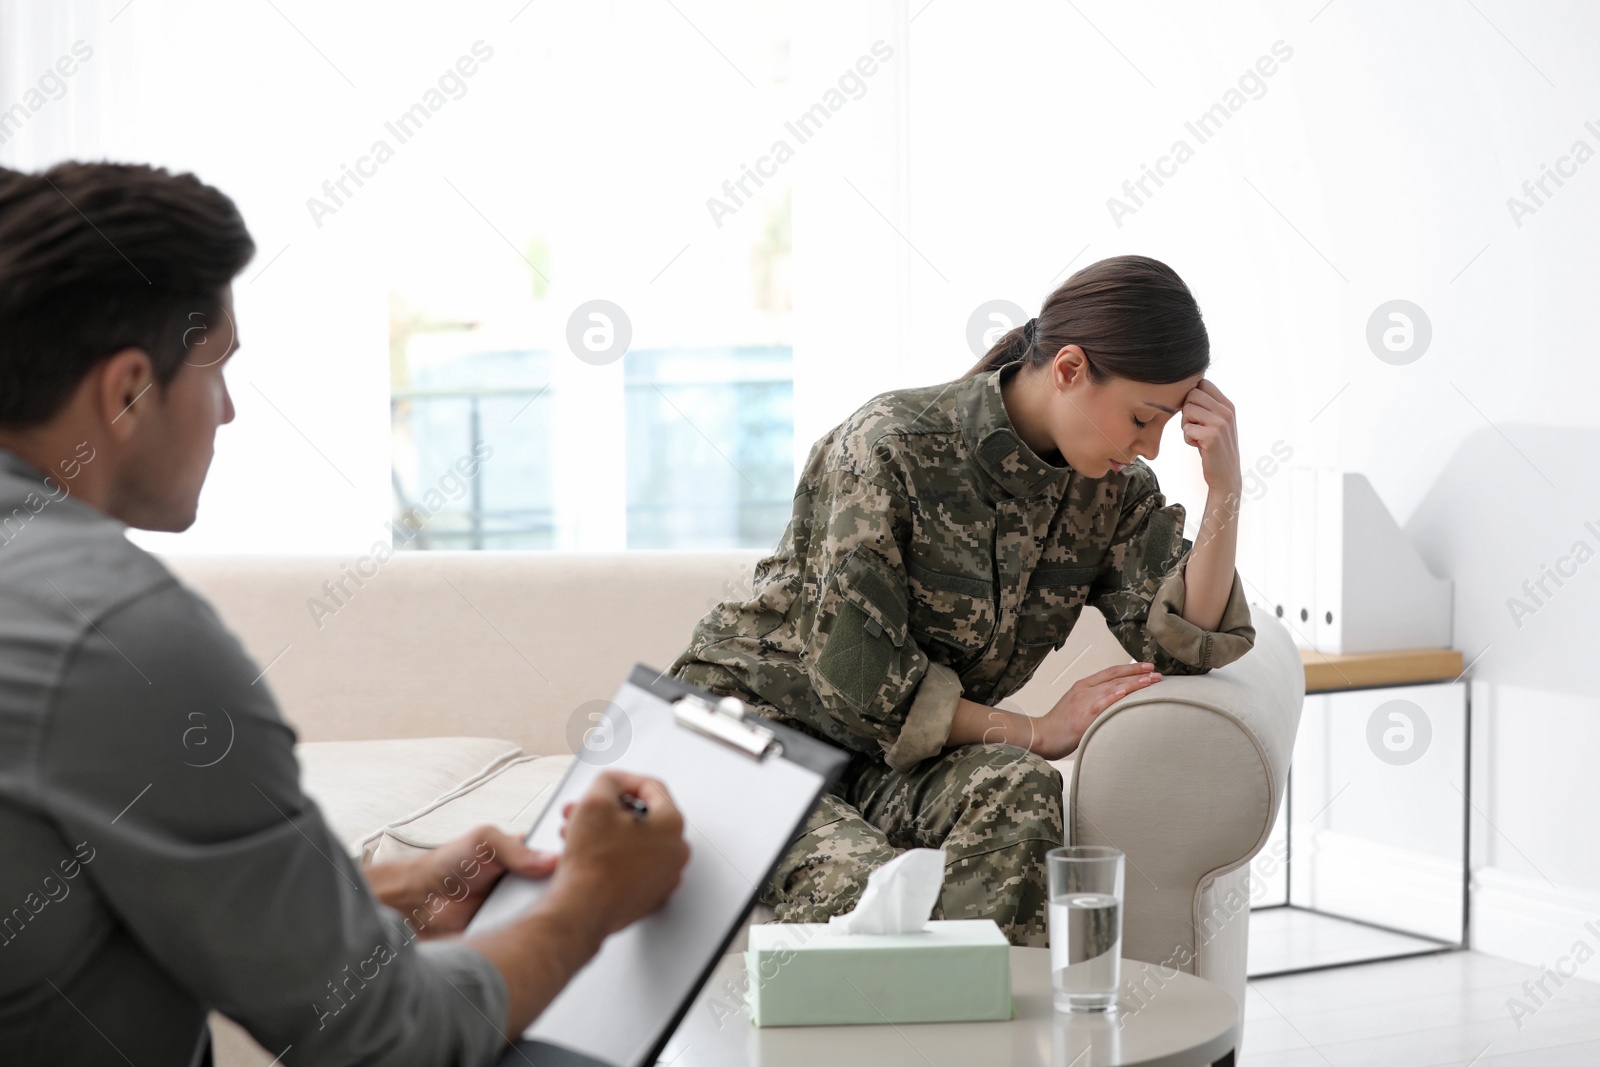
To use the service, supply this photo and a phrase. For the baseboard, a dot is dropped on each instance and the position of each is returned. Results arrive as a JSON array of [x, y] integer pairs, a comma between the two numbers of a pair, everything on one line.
[[1395, 887], [1518, 917], [1523, 918]]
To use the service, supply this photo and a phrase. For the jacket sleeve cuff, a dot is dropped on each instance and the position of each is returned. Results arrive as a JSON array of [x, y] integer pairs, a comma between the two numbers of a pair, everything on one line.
[[927, 725], [1183, 640]]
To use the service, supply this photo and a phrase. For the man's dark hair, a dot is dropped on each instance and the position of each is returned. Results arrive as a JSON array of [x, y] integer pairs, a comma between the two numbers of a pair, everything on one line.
[[98, 257]]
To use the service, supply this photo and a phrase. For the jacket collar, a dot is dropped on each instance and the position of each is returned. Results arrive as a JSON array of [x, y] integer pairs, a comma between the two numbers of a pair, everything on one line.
[[20, 479], [15, 465], [1015, 469]]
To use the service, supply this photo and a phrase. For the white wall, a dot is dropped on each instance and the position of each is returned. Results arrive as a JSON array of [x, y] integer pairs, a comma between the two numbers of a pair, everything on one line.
[[1376, 166]]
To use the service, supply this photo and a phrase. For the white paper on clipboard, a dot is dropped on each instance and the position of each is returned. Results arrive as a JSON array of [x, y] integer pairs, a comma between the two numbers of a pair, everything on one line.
[[740, 812]]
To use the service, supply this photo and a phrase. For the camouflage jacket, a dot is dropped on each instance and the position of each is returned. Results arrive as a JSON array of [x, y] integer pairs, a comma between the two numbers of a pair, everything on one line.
[[931, 555]]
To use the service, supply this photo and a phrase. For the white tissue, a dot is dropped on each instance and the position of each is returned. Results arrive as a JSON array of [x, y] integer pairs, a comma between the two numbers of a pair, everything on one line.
[[899, 896]]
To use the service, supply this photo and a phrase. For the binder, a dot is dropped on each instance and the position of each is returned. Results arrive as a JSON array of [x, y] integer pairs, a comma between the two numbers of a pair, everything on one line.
[[744, 786], [1277, 550], [1333, 566], [1308, 541]]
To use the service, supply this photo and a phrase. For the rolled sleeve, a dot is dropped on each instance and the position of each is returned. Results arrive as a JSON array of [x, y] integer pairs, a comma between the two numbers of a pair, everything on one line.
[[1140, 588], [1202, 649], [927, 725], [473, 983]]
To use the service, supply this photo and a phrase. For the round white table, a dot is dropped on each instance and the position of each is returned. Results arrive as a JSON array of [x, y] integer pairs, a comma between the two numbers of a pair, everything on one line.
[[1165, 1019]]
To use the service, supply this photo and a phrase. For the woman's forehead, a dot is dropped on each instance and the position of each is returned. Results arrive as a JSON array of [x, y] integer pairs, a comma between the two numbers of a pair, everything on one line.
[[1168, 397]]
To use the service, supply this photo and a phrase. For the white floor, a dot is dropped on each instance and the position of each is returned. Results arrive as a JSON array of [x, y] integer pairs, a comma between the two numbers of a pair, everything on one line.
[[1431, 1011]]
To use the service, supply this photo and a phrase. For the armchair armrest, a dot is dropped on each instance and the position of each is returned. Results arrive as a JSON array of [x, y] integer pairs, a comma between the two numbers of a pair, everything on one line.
[[1186, 778]]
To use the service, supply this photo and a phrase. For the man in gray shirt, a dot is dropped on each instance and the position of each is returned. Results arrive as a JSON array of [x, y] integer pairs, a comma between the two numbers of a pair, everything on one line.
[[144, 884]]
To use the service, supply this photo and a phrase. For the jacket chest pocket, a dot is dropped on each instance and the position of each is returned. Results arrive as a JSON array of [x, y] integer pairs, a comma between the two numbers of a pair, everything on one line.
[[955, 610], [1057, 593]]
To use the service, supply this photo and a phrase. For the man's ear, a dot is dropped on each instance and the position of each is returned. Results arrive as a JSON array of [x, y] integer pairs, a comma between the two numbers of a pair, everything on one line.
[[123, 392]]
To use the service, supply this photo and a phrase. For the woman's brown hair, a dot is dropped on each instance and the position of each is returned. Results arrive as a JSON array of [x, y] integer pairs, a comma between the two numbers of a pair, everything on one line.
[[1132, 316]]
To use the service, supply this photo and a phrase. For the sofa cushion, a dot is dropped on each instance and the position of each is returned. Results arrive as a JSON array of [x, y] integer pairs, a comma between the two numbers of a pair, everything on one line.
[[363, 787], [511, 798]]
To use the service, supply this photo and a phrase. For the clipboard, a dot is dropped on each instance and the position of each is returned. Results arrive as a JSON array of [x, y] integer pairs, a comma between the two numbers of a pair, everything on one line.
[[744, 786]]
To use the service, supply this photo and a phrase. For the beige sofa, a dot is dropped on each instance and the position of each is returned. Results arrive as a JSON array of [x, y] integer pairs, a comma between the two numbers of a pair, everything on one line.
[[440, 690]]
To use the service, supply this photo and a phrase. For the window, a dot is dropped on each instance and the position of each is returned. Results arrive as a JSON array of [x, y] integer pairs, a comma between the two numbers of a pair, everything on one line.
[[455, 489], [570, 323], [708, 456], [710, 447]]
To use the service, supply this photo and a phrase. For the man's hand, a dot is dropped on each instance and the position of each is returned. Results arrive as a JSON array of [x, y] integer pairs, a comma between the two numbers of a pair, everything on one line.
[[618, 865], [439, 893]]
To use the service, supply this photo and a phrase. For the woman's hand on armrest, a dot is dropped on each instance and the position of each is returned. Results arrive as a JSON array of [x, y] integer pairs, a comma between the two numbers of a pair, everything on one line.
[[1056, 733]]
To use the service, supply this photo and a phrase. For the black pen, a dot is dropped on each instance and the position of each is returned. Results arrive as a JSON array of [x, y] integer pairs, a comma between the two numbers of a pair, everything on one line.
[[634, 804]]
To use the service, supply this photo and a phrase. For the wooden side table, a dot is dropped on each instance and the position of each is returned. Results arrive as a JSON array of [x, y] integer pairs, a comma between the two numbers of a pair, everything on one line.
[[1329, 672], [1349, 672]]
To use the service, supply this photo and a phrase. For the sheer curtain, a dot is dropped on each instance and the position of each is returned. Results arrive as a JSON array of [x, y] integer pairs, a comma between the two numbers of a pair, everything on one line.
[[537, 157], [221, 91]]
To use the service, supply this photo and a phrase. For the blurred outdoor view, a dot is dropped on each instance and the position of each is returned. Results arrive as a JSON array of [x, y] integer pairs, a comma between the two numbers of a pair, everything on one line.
[[707, 440], [506, 437]]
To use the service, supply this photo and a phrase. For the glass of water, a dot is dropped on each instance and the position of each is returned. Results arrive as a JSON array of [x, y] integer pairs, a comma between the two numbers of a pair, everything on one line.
[[1085, 926]]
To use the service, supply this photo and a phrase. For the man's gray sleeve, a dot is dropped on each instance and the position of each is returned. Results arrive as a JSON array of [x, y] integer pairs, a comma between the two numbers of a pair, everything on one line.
[[178, 769]]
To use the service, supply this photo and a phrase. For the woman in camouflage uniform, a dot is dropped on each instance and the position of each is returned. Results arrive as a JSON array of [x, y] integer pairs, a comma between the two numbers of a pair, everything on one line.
[[943, 541]]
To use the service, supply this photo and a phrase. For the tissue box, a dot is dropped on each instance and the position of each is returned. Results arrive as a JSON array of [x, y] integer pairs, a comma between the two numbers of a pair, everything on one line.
[[803, 974]]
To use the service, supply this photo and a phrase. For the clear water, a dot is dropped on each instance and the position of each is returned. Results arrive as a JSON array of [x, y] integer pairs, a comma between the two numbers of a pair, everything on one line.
[[1085, 950]]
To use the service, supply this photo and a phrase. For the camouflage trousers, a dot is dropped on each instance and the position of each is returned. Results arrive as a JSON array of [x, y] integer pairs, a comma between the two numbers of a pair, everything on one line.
[[994, 809]]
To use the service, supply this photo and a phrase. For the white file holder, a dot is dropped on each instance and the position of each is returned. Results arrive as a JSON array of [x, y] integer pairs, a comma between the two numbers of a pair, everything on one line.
[[1340, 572]]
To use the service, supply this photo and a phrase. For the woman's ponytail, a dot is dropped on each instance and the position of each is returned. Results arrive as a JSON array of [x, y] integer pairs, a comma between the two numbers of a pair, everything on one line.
[[1012, 347]]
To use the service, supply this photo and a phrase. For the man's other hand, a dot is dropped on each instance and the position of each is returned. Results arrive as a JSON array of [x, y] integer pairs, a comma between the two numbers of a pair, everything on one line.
[[439, 893]]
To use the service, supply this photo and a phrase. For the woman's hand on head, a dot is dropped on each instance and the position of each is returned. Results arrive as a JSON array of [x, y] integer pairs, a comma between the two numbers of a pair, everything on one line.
[[1208, 425]]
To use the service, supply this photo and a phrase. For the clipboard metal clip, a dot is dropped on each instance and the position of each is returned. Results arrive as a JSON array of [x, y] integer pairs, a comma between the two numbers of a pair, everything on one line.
[[726, 721]]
